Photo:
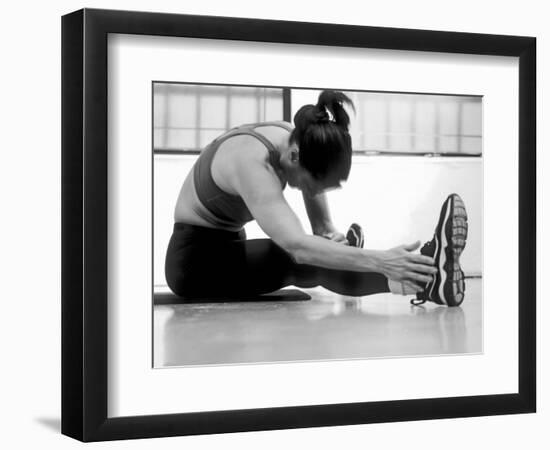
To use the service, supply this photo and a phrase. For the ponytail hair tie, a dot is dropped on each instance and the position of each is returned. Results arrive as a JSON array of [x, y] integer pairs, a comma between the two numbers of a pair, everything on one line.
[[330, 115], [324, 115]]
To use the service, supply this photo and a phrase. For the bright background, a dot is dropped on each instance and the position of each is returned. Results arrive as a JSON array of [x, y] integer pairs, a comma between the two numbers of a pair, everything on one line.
[[30, 177]]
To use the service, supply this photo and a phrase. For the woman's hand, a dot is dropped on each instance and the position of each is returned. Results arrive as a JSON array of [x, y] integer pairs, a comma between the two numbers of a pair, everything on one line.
[[401, 264], [332, 234]]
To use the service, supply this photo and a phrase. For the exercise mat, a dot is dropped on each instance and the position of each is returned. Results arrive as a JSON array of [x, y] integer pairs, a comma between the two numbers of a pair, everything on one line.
[[282, 295]]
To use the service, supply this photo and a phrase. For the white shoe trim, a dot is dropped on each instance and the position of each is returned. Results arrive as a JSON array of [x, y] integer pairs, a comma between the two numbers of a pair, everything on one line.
[[442, 261]]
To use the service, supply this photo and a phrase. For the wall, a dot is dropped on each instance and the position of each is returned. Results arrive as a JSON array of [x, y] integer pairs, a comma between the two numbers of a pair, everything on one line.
[[30, 226]]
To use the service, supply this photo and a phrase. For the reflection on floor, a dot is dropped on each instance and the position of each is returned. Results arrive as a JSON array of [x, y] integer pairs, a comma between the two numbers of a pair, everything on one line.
[[327, 327]]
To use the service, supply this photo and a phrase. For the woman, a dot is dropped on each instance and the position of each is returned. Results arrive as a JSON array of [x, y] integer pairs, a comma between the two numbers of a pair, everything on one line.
[[241, 176]]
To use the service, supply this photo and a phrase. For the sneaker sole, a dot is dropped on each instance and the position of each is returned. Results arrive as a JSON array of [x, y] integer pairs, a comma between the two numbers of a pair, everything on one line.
[[451, 235]]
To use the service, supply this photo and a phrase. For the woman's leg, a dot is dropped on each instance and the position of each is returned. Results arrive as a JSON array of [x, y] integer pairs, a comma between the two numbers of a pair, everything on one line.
[[259, 266], [343, 282], [210, 263], [267, 267]]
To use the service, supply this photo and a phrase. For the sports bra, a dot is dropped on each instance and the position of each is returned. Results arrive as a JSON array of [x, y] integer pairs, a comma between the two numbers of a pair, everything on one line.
[[226, 210]]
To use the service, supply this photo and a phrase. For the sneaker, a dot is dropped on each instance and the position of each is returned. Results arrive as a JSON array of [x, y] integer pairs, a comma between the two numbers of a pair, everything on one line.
[[355, 236], [447, 286]]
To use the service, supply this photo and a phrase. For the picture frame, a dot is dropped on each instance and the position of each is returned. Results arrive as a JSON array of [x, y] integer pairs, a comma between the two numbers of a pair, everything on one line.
[[85, 385]]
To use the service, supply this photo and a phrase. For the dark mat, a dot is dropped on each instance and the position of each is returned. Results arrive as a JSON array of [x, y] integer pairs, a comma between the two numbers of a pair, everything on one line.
[[282, 295]]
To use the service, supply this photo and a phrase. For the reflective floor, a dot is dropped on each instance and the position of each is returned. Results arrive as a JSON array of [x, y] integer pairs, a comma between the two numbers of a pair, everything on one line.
[[328, 326]]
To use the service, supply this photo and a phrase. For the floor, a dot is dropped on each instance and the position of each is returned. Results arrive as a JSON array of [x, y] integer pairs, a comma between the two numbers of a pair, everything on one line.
[[328, 326]]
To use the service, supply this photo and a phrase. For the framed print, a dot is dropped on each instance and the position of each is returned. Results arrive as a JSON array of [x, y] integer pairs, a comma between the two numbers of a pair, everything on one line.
[[272, 224]]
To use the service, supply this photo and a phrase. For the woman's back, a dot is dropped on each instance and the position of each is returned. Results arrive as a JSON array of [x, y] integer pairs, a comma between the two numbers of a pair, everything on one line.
[[207, 197]]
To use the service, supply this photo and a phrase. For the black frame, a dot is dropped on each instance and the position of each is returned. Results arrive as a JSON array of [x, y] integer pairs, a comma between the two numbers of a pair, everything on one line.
[[84, 224]]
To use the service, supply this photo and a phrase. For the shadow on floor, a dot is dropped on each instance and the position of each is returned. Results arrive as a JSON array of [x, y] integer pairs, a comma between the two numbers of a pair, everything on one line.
[[53, 423]]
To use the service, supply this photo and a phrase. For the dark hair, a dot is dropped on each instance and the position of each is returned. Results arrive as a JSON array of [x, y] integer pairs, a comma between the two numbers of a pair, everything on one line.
[[324, 142]]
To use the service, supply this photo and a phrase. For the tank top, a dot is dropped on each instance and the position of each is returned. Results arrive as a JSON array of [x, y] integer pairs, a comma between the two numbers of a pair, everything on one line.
[[226, 210]]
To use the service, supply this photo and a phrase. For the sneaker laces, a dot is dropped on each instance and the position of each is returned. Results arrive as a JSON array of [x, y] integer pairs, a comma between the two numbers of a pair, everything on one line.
[[427, 248]]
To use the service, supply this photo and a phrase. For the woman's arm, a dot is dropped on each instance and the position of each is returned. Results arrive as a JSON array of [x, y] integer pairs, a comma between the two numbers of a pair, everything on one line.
[[258, 185], [319, 217]]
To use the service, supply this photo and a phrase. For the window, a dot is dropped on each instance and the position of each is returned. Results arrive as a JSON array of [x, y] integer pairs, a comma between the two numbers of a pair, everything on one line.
[[189, 116], [416, 124], [186, 117]]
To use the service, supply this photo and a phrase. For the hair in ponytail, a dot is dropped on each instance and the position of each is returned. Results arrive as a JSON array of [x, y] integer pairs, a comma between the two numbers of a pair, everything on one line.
[[321, 132]]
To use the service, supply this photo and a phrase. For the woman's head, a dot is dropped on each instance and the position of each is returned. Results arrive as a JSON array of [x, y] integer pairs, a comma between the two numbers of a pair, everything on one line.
[[323, 140]]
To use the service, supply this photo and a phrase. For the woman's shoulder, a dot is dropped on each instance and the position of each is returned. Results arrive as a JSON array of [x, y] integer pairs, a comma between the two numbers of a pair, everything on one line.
[[250, 159], [276, 123], [256, 144], [243, 147]]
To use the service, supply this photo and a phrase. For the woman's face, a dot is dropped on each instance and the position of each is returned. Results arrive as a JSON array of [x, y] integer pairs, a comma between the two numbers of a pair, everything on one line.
[[309, 185]]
